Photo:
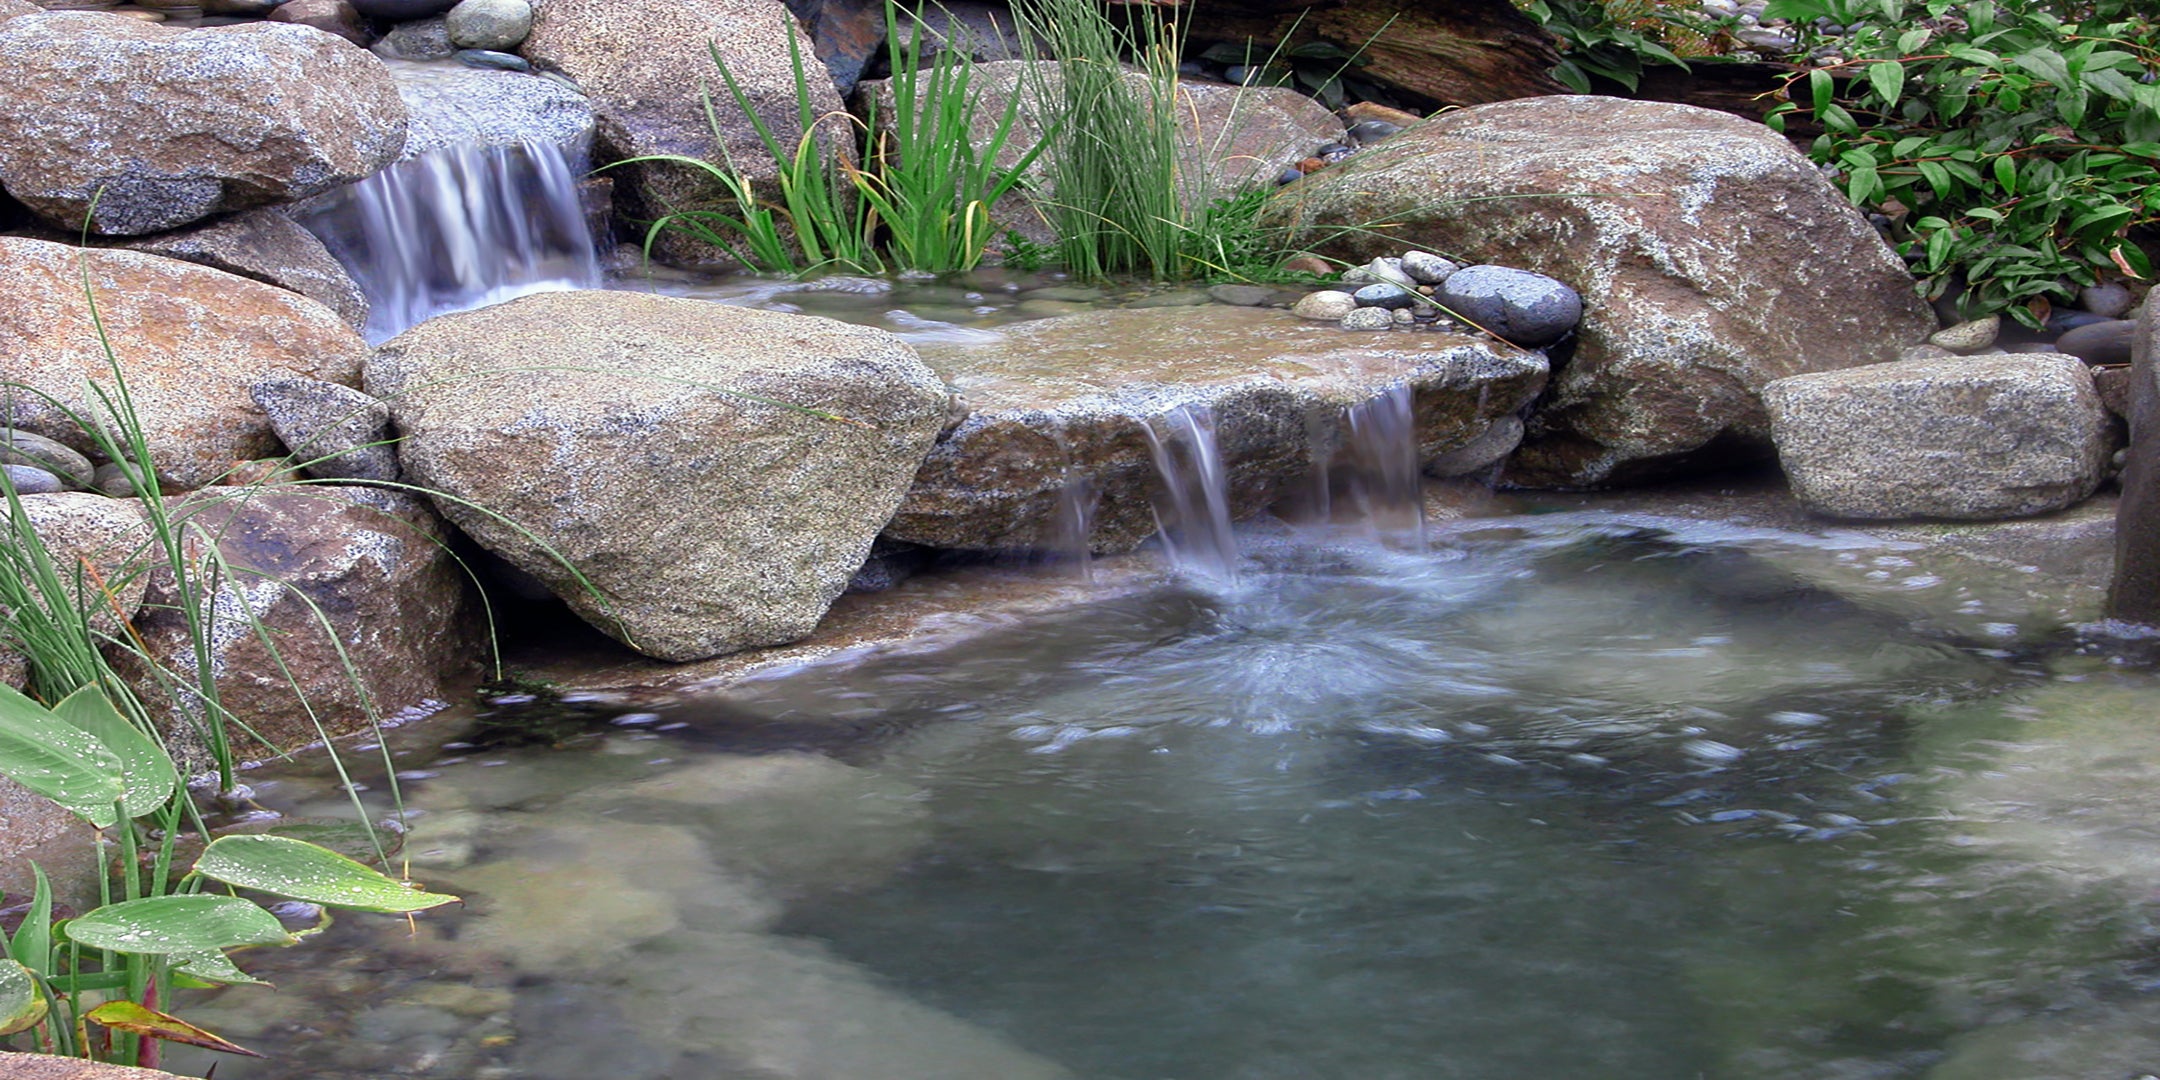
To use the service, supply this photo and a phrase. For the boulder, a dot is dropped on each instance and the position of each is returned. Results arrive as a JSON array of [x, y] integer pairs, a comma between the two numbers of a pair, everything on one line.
[[271, 248], [1235, 134], [1711, 258], [650, 99], [333, 431], [1462, 52], [1972, 438], [693, 478], [465, 106], [371, 563], [1063, 405], [190, 339], [11, 8], [163, 126], [99, 548]]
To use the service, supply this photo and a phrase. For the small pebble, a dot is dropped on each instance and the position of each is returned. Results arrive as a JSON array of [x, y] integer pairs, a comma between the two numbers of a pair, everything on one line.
[[1426, 268], [1369, 318], [492, 60], [2109, 300], [1968, 337], [1385, 294], [28, 480], [1326, 306]]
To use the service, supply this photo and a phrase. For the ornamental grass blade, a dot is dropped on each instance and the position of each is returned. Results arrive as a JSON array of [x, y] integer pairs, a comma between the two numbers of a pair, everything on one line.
[[22, 1006], [177, 925], [147, 776], [58, 760], [139, 1020], [304, 871]]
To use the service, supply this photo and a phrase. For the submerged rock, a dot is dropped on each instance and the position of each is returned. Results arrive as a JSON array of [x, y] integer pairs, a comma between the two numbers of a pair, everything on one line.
[[692, 478], [1972, 437], [191, 340], [1711, 258], [163, 126], [1064, 404]]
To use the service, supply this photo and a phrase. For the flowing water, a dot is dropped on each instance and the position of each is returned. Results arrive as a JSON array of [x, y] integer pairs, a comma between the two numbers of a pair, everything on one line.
[[461, 227], [1561, 795]]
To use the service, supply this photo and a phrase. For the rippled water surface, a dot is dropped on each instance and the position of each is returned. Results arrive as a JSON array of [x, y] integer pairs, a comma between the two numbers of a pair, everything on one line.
[[1551, 798]]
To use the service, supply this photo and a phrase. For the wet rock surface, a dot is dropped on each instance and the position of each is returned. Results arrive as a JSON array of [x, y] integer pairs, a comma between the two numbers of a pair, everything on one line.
[[271, 248], [691, 477], [1059, 411]]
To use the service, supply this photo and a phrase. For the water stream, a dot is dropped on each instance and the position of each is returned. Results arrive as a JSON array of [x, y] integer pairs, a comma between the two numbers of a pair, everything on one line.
[[1566, 795]]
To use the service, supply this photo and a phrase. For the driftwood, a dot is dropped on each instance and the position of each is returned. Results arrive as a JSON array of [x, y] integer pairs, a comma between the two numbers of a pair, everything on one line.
[[1439, 52]]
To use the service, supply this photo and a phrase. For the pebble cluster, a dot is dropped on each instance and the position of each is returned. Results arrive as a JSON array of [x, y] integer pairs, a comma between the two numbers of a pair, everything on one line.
[[1421, 289]]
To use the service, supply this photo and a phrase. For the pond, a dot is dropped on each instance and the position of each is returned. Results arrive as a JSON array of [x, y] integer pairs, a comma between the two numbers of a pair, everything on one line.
[[1569, 794]]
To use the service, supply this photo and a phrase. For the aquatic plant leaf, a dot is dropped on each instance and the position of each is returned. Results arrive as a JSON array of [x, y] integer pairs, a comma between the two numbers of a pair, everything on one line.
[[58, 760], [147, 776], [130, 1017], [22, 1007], [32, 946], [304, 871], [214, 967], [352, 839], [177, 925]]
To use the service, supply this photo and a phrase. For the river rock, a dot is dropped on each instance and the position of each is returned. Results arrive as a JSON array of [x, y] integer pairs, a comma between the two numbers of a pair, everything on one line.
[[335, 431], [1526, 309], [2100, 343], [271, 248], [373, 563], [1228, 134], [1973, 438], [31, 480], [401, 10], [1426, 268], [418, 39], [192, 340], [1968, 337], [648, 98], [1481, 453], [497, 25], [1711, 258], [2109, 299], [1327, 305], [174, 125], [1369, 318], [702, 519], [47, 455], [335, 17], [1384, 294], [1067, 401]]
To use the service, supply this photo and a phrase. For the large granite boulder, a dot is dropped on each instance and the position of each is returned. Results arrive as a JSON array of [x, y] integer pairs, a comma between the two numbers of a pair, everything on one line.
[[373, 564], [648, 69], [1234, 135], [162, 126], [190, 340], [692, 478], [1710, 255], [1972, 437], [1065, 405], [271, 248]]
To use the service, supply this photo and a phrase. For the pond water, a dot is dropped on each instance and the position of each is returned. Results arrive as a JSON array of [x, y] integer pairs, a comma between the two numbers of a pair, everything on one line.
[[1569, 795]]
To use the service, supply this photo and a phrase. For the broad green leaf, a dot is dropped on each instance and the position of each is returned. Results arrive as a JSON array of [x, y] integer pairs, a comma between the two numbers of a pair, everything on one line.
[[1821, 88], [32, 946], [186, 925], [353, 839], [2006, 174], [1796, 10], [1910, 41], [1972, 55], [214, 967], [1937, 176], [2047, 64], [56, 759], [1938, 249], [147, 776], [1863, 185], [1888, 79], [303, 871], [22, 1007], [2113, 83], [2101, 222], [137, 1019], [2070, 105]]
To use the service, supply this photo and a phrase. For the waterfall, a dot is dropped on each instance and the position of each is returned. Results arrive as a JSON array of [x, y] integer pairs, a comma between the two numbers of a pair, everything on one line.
[[461, 227], [1073, 526], [1193, 510], [1383, 478]]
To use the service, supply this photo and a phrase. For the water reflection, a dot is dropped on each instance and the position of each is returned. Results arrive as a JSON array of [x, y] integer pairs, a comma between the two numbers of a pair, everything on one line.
[[1552, 798]]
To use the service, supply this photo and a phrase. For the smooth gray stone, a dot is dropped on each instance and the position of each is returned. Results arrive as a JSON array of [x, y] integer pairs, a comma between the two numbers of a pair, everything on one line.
[[2109, 300], [39, 452], [2100, 343], [1241, 295], [419, 39], [491, 60], [32, 481], [401, 10], [497, 25], [333, 431], [1426, 268], [1369, 318], [1526, 309], [112, 479], [1384, 294]]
